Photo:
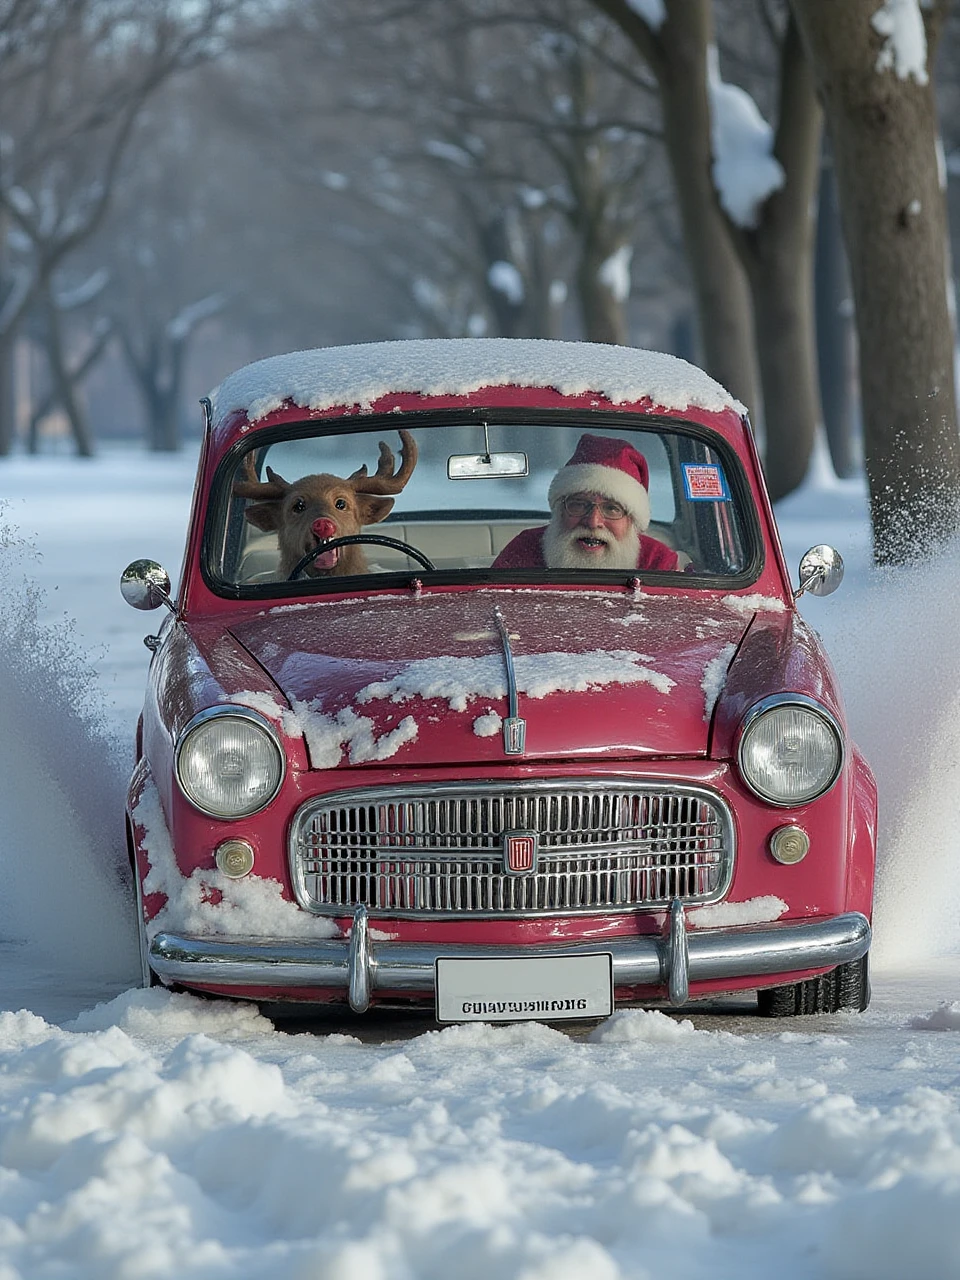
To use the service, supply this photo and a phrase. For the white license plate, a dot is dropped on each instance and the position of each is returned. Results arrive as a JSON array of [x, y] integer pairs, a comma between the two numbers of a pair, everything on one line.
[[518, 988]]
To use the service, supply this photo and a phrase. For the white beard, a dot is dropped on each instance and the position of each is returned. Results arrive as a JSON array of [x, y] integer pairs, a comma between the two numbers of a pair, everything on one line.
[[561, 551]]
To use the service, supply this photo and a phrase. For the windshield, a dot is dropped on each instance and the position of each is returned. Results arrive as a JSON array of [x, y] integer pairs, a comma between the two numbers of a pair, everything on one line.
[[508, 498]]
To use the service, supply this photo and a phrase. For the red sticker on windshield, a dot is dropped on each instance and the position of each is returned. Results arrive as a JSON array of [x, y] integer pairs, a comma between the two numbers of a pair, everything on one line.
[[704, 482]]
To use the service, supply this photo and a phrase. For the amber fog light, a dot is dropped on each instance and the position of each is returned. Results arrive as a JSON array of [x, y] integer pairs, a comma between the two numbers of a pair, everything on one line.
[[235, 858], [789, 845]]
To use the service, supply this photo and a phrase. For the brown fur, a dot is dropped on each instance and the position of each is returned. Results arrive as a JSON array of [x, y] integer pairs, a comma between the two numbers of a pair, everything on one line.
[[292, 508]]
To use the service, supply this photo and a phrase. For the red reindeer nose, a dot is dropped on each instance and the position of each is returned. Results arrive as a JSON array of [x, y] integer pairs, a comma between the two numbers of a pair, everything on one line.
[[324, 528]]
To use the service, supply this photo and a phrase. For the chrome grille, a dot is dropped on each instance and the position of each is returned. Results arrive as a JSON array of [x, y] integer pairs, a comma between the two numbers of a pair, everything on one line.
[[439, 851]]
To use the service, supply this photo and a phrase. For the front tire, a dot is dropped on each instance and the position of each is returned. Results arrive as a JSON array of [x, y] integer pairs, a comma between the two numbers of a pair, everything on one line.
[[846, 987]]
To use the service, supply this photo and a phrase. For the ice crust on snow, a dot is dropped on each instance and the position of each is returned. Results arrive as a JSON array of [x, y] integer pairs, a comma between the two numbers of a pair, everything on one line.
[[361, 375]]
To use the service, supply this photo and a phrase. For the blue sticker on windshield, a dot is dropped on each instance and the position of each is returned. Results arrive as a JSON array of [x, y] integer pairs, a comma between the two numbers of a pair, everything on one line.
[[704, 482]]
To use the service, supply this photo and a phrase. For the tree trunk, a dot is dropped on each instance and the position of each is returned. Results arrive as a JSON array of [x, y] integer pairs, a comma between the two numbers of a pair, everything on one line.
[[63, 383], [603, 316], [8, 425], [164, 428], [40, 409], [158, 374], [509, 311], [783, 313], [778, 257], [884, 131], [676, 54], [835, 341]]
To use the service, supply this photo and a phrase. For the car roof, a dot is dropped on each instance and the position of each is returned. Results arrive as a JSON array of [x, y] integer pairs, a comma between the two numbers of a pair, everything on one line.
[[367, 377]]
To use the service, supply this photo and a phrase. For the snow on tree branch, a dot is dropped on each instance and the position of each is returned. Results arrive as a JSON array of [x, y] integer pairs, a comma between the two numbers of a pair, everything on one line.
[[745, 171], [652, 12], [187, 319], [70, 299], [905, 45], [506, 279], [614, 273]]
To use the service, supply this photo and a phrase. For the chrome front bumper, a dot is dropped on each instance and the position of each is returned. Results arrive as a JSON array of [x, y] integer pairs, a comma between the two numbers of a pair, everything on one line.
[[362, 967]]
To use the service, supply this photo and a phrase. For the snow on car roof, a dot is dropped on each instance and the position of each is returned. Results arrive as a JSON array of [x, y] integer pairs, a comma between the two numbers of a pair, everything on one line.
[[366, 373]]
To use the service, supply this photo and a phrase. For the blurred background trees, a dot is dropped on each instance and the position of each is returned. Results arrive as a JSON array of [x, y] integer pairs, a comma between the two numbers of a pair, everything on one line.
[[187, 187]]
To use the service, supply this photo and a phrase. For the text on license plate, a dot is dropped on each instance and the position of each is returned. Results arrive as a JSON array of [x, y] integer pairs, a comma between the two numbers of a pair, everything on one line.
[[514, 988]]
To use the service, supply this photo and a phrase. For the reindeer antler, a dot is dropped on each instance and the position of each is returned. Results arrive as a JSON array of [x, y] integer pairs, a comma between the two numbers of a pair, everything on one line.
[[386, 480], [251, 487]]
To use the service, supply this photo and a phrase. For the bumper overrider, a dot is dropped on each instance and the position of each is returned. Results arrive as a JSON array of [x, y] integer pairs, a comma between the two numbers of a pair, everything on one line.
[[363, 967]]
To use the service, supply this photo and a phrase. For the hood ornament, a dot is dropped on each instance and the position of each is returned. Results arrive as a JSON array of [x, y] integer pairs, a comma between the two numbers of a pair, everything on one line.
[[514, 727]]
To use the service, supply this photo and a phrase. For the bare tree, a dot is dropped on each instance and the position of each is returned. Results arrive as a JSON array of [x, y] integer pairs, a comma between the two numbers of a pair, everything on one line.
[[74, 76], [495, 146], [172, 268], [874, 78]]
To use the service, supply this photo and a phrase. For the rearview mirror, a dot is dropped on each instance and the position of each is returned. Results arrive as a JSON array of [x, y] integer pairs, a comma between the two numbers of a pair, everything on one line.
[[487, 466]]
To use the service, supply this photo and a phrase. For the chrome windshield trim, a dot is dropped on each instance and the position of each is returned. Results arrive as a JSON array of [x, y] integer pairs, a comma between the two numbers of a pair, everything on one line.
[[747, 951]]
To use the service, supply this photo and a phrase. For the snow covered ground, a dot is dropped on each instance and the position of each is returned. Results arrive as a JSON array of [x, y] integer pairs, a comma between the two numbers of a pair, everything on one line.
[[145, 1134]]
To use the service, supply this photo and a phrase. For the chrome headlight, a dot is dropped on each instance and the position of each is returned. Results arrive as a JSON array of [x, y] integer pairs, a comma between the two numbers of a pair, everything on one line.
[[791, 750], [229, 762]]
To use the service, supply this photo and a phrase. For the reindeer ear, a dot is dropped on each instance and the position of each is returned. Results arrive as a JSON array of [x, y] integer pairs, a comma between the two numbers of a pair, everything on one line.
[[265, 515], [372, 508]]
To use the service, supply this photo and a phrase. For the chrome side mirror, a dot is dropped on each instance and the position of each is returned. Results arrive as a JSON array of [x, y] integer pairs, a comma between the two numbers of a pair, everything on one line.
[[146, 585], [821, 571]]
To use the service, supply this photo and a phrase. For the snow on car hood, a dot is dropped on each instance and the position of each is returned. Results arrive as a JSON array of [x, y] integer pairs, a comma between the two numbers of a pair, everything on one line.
[[423, 681]]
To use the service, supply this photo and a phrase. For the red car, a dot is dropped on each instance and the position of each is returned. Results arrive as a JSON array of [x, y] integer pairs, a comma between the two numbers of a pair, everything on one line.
[[485, 690]]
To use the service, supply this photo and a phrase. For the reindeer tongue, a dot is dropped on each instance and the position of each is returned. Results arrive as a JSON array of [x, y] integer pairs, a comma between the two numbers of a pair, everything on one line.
[[327, 559]]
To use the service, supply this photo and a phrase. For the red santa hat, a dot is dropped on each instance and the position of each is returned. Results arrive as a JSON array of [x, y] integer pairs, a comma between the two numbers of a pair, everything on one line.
[[609, 467]]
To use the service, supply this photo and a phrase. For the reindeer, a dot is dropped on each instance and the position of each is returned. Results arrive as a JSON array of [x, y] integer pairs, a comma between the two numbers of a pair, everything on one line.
[[313, 509]]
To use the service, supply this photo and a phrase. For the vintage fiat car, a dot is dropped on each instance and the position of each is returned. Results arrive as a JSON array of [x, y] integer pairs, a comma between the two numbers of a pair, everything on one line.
[[484, 689]]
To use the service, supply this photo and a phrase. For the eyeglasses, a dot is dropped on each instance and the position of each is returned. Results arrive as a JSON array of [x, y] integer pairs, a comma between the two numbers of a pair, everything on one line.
[[578, 508]]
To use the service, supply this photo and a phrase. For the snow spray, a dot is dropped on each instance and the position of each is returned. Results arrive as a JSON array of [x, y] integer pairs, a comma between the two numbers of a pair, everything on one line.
[[66, 905], [894, 644]]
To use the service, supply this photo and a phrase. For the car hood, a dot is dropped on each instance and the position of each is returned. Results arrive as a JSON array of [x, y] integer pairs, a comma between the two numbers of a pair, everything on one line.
[[422, 681]]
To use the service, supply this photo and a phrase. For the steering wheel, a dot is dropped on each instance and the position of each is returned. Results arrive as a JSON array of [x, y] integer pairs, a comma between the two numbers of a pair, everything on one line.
[[376, 539]]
